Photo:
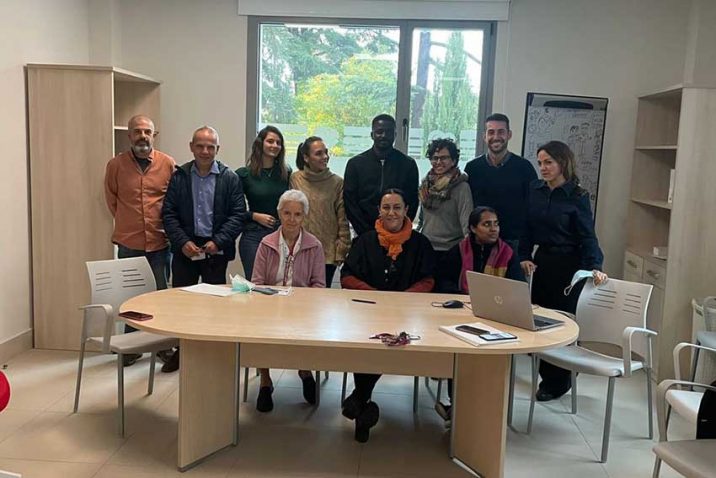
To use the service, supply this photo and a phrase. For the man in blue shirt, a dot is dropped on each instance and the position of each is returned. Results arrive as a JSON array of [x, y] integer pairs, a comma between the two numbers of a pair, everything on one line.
[[500, 179], [202, 217]]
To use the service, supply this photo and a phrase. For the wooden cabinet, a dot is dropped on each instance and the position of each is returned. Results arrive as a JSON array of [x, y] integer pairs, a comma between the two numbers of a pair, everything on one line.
[[77, 117], [673, 194]]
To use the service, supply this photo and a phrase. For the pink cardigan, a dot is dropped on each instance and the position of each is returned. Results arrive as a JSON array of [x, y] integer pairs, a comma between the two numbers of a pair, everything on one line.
[[309, 267]]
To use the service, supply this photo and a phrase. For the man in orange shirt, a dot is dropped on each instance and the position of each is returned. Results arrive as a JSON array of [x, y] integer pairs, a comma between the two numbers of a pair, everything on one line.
[[135, 184]]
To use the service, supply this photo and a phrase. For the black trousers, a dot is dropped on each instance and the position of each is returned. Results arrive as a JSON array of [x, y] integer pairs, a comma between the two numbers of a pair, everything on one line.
[[364, 385], [330, 272], [186, 272], [553, 274]]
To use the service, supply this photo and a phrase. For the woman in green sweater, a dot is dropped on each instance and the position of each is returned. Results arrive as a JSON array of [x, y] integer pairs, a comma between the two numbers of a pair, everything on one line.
[[264, 179], [327, 220]]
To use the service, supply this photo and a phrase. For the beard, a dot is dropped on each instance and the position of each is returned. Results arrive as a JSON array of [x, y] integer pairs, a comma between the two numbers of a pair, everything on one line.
[[141, 148]]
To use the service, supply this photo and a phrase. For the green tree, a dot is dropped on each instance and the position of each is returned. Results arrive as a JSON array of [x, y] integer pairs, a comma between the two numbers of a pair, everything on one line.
[[351, 97], [451, 106], [291, 55]]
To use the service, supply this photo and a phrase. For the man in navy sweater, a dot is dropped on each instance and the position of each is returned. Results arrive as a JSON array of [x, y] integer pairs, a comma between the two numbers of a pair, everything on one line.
[[500, 179]]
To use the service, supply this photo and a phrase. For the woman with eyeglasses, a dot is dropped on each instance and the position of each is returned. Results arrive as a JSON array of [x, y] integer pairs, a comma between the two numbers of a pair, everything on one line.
[[264, 179], [290, 256], [392, 257], [561, 225], [324, 190], [445, 198]]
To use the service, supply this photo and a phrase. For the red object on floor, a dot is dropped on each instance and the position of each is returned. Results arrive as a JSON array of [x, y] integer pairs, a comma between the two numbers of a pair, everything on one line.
[[4, 391]]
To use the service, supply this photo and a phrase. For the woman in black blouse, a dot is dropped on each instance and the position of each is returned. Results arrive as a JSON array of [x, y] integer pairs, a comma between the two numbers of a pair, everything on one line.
[[560, 223]]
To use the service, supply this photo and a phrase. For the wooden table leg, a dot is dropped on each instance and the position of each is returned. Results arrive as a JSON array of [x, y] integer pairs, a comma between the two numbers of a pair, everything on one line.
[[479, 429], [208, 398]]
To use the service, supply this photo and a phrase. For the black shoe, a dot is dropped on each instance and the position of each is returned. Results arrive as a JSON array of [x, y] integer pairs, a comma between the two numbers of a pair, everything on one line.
[[352, 406], [130, 359], [365, 421], [171, 365], [264, 402], [309, 388], [548, 395], [165, 355]]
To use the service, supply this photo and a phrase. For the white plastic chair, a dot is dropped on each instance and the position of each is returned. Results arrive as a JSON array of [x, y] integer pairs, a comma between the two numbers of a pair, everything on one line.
[[612, 313], [113, 282], [691, 458], [682, 397]]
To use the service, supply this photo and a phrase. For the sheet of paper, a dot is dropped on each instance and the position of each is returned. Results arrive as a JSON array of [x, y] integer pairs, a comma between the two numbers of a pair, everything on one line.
[[474, 339], [209, 289]]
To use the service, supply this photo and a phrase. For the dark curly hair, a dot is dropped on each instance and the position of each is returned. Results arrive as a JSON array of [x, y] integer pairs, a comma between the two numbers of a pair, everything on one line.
[[443, 143]]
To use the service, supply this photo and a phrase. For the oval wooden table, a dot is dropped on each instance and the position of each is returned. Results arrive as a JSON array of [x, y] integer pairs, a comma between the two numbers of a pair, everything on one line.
[[324, 329]]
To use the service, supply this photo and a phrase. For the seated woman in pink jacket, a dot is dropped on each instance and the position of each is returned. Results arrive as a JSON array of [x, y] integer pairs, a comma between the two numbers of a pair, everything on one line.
[[291, 256]]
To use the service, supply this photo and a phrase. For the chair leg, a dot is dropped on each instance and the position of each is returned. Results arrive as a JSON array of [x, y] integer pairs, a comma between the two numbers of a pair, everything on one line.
[[657, 468], [533, 397], [416, 384], [427, 382], [79, 376], [650, 404], [152, 364], [574, 393], [120, 393], [511, 391], [439, 391], [343, 387], [608, 419], [257, 372], [318, 387], [246, 384], [326, 374]]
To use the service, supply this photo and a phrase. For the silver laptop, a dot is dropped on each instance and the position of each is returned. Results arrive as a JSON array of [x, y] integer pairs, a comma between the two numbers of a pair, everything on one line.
[[506, 301]]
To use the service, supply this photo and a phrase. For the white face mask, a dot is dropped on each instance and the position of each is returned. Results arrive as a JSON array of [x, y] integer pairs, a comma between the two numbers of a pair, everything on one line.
[[578, 277]]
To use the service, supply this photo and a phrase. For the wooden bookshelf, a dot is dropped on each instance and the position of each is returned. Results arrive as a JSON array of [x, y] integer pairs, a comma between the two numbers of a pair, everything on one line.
[[77, 118]]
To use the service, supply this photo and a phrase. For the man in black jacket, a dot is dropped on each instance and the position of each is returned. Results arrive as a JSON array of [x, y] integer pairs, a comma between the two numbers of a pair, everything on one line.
[[371, 172], [202, 217]]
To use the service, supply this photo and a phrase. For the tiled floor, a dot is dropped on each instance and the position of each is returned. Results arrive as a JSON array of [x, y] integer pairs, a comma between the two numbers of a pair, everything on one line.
[[41, 437]]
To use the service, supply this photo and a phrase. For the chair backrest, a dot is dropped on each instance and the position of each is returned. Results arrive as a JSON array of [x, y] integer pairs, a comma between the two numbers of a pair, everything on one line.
[[115, 281], [709, 311], [604, 311]]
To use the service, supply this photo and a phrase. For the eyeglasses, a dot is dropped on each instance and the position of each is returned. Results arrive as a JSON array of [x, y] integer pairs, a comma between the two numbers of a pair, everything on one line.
[[435, 159]]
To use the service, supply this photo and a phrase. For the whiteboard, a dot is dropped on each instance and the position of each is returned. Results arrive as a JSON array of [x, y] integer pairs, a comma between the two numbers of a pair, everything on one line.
[[575, 120]]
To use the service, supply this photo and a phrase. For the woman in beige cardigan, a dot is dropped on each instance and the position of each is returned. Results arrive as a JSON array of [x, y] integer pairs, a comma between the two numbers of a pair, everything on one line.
[[324, 189]]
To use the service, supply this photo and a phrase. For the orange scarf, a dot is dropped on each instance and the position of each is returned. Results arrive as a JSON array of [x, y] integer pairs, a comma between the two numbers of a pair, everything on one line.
[[393, 241]]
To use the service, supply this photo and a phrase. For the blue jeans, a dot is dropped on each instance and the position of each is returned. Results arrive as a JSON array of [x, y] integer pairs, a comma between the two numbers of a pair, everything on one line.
[[248, 245], [158, 261]]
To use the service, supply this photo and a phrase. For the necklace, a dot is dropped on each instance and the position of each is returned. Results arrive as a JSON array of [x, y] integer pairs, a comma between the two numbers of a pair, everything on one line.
[[268, 171]]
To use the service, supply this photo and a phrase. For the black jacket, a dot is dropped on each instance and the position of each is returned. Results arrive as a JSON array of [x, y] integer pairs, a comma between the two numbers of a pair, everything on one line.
[[365, 178], [229, 205]]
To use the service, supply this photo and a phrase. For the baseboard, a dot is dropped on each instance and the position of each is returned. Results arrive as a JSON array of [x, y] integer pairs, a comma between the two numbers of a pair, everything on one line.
[[15, 345]]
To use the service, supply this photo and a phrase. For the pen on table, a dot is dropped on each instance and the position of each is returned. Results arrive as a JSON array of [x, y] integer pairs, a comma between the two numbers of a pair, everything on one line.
[[362, 301]]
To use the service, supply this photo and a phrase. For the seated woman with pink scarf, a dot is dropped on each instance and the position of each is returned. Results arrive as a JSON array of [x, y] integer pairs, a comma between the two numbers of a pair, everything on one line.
[[481, 251]]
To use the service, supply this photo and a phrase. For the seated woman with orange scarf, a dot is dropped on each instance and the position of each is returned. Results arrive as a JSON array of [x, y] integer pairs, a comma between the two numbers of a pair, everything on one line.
[[393, 257]]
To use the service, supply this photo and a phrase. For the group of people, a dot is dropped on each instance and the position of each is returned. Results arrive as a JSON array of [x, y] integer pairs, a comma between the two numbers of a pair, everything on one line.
[[294, 227]]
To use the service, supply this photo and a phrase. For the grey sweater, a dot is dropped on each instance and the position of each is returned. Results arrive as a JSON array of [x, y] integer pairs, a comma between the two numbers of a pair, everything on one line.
[[447, 224]]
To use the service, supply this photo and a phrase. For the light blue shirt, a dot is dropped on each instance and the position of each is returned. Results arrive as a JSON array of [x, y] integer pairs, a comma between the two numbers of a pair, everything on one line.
[[202, 189]]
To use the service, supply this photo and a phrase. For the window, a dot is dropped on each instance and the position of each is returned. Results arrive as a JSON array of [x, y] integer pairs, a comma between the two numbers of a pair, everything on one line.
[[329, 79]]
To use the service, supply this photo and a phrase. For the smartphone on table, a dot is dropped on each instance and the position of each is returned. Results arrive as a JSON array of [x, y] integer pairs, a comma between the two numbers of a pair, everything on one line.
[[485, 335], [133, 315]]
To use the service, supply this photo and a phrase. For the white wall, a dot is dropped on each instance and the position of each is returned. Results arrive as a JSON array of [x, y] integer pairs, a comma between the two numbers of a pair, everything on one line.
[[198, 51], [607, 48], [33, 31]]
